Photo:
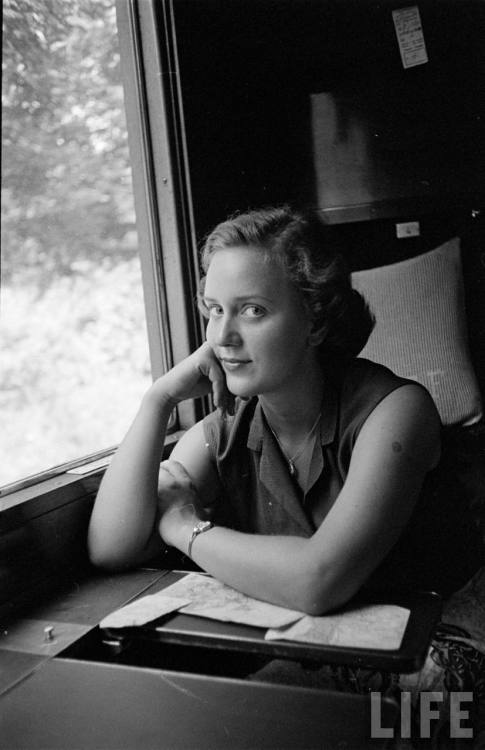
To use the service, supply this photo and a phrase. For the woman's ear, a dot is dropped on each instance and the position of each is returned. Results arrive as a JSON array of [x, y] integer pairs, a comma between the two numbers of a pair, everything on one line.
[[316, 335]]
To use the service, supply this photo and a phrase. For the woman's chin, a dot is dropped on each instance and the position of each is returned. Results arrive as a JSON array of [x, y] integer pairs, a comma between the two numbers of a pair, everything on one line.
[[240, 390]]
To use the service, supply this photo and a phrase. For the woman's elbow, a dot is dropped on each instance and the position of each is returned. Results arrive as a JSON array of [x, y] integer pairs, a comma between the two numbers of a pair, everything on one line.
[[106, 556], [325, 591], [118, 554], [106, 560], [316, 603]]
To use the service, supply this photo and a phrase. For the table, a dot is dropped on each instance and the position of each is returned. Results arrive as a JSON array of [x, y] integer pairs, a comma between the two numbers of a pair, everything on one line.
[[50, 700], [188, 630]]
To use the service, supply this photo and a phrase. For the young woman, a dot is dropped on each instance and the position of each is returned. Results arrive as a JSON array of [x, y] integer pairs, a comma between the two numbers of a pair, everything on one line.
[[315, 468]]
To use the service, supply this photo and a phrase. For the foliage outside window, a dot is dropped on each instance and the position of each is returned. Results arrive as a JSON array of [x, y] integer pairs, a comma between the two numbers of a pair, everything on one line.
[[73, 333]]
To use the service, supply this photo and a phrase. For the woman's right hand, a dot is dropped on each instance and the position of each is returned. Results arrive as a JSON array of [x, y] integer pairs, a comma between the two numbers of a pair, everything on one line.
[[197, 375]]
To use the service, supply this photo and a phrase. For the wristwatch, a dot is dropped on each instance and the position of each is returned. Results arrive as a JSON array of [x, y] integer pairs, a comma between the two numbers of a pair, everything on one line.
[[199, 528]]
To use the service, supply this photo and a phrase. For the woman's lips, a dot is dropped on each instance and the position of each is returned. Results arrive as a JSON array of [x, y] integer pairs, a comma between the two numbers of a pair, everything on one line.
[[232, 364]]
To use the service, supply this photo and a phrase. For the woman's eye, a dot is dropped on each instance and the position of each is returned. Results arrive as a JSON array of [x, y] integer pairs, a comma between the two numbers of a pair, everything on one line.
[[214, 310], [253, 311]]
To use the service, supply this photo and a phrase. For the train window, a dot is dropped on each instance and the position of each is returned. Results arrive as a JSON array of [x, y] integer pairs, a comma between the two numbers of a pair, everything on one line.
[[75, 354]]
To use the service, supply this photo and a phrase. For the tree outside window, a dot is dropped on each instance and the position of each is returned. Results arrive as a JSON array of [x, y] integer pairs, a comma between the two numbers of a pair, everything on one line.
[[74, 353]]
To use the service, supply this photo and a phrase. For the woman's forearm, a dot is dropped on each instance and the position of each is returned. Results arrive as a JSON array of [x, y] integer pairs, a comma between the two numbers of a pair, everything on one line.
[[277, 569], [125, 510], [122, 530]]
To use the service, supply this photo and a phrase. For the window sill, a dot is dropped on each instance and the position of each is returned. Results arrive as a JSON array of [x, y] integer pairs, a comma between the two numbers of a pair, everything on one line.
[[49, 493]]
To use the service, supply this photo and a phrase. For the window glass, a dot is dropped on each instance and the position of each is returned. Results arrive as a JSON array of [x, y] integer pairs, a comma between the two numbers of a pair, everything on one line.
[[74, 352]]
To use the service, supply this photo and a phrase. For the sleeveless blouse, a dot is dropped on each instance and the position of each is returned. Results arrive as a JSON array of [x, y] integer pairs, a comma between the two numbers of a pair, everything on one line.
[[259, 496]]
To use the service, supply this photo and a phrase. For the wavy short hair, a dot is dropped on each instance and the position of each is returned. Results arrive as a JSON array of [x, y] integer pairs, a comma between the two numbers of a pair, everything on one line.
[[308, 252]]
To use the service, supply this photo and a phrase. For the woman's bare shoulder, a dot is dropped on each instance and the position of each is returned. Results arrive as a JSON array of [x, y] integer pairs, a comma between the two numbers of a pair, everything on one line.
[[409, 413]]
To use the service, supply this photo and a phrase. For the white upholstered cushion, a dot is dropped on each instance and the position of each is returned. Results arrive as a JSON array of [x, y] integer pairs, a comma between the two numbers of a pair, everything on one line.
[[421, 330]]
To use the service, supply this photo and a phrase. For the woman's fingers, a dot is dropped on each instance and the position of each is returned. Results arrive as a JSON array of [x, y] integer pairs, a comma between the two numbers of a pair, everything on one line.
[[177, 472], [173, 481], [175, 489], [211, 368], [196, 376], [219, 388]]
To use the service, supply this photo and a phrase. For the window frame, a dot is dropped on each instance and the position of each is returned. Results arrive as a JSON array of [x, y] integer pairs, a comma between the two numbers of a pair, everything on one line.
[[164, 219], [161, 182]]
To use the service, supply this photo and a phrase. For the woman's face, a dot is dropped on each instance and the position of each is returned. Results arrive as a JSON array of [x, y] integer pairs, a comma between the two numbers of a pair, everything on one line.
[[258, 326]]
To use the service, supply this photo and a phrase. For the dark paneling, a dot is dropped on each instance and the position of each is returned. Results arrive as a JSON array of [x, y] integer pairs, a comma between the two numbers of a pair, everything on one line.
[[39, 554], [249, 67]]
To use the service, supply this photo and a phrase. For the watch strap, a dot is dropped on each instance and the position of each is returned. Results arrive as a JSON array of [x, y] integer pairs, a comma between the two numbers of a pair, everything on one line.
[[199, 528]]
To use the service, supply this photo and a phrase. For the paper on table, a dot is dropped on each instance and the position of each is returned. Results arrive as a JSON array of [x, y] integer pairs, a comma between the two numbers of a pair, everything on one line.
[[379, 626], [143, 610], [213, 599]]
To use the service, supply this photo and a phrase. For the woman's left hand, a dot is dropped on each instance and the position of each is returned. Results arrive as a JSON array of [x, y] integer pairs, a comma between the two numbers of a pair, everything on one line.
[[178, 503]]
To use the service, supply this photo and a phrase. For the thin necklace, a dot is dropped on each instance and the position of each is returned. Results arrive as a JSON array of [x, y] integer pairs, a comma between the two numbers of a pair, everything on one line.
[[291, 461]]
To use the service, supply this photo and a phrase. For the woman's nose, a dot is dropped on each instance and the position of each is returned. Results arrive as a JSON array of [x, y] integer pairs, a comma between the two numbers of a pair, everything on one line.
[[225, 331]]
